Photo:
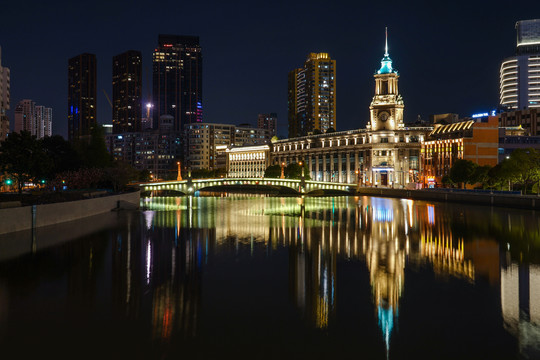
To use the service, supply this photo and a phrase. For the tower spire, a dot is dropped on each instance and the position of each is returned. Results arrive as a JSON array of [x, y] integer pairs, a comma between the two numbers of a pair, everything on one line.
[[386, 42]]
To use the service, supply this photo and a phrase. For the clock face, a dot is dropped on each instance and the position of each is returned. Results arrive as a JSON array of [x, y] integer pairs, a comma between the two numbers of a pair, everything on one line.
[[383, 116]]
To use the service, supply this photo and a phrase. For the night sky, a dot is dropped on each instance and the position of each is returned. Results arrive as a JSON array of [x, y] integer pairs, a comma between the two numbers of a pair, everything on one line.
[[447, 52]]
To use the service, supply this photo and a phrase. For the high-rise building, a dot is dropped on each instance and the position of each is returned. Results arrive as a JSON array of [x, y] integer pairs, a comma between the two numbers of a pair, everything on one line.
[[36, 119], [25, 117], [4, 99], [43, 121], [82, 104], [268, 122], [312, 96], [127, 92], [177, 80], [205, 144], [520, 74]]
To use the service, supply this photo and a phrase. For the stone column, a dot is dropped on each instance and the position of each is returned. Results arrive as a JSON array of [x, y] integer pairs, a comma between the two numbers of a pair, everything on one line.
[[317, 168], [331, 166], [348, 159], [324, 166], [310, 165]]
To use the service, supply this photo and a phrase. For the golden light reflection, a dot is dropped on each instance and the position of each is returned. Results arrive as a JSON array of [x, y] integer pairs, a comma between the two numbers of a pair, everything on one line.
[[386, 234]]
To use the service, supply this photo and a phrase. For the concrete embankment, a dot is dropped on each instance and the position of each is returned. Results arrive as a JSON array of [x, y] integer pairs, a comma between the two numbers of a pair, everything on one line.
[[525, 202], [28, 217]]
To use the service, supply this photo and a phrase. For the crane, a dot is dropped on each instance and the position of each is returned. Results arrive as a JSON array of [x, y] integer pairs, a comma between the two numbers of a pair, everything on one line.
[[108, 98]]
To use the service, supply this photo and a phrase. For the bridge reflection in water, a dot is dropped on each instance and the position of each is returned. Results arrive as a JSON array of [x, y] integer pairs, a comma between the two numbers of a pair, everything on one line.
[[388, 235]]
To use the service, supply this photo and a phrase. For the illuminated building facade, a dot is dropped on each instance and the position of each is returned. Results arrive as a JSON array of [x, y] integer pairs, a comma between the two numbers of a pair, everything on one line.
[[476, 140], [82, 100], [205, 143], [177, 80], [312, 96], [387, 153], [36, 119], [515, 137], [4, 99], [127, 88], [248, 161], [520, 74], [528, 119]]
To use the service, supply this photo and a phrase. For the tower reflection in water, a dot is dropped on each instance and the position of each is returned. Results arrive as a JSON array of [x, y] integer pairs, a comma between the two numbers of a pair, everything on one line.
[[387, 235]]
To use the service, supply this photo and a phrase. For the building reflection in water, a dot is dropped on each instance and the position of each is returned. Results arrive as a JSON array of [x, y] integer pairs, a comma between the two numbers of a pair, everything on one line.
[[387, 235]]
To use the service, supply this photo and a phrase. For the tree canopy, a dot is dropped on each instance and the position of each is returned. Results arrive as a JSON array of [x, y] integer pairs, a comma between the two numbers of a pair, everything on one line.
[[22, 157]]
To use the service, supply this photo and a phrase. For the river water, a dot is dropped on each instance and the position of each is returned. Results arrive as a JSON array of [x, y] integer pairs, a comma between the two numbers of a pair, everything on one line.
[[248, 277]]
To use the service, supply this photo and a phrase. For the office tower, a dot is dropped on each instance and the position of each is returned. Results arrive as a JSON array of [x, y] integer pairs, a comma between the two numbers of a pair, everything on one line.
[[4, 99], [520, 74], [177, 80], [312, 96], [82, 103], [36, 119], [268, 122], [127, 92]]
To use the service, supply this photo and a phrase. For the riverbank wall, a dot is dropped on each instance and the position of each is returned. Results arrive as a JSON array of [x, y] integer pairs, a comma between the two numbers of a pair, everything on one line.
[[524, 202], [29, 217]]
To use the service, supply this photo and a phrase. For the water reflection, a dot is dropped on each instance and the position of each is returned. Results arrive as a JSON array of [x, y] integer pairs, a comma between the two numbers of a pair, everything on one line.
[[172, 267]]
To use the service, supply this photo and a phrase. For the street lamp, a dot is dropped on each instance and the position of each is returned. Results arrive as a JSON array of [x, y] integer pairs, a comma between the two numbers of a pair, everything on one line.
[[301, 166], [179, 176], [283, 170]]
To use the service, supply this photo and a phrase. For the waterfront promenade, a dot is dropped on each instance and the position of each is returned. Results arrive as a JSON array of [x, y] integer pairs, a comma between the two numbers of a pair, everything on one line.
[[476, 197]]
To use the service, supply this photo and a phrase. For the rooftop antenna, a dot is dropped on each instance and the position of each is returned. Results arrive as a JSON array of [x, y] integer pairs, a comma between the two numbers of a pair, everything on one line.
[[386, 42]]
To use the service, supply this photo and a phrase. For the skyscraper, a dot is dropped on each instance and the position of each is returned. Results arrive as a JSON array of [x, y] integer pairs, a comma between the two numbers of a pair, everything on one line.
[[177, 80], [43, 121], [312, 96], [25, 117], [127, 89], [36, 119], [520, 74], [4, 99], [268, 122], [82, 103]]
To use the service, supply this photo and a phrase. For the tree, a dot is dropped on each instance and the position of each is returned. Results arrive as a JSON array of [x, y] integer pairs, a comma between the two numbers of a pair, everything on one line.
[[120, 175], [93, 152], [273, 171], [330, 130], [447, 181], [480, 175], [61, 153], [524, 163], [294, 171], [462, 171], [23, 158]]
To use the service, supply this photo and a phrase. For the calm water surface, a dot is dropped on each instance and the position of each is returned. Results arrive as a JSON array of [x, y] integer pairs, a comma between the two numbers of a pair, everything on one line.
[[276, 278]]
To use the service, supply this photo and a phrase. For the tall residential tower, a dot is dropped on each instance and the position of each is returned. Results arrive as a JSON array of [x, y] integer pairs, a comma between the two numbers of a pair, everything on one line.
[[82, 103], [312, 96], [127, 90], [520, 74], [268, 122], [36, 119], [177, 80], [4, 99]]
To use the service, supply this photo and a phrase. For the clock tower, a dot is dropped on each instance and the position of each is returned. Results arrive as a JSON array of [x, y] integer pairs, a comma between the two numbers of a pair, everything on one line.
[[386, 108]]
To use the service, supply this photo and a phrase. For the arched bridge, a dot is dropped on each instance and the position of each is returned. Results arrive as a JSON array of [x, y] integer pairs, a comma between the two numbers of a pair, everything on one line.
[[191, 185]]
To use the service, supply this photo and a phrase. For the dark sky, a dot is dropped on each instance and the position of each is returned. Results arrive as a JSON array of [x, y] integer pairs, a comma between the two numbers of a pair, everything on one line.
[[447, 52]]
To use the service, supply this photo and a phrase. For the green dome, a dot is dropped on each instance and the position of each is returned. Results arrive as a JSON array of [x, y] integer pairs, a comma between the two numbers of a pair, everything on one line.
[[386, 65]]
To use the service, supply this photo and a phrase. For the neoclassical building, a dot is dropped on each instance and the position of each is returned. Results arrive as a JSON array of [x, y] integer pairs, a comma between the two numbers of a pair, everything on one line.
[[386, 153], [248, 161]]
